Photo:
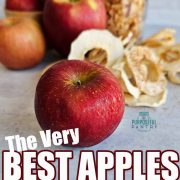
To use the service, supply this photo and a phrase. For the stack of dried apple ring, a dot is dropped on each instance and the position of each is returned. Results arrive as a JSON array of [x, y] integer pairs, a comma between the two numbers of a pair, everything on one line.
[[165, 46], [142, 69]]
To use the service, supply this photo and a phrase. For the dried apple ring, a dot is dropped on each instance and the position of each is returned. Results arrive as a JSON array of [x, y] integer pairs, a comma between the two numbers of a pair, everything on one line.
[[170, 57], [170, 62], [174, 76], [100, 56], [168, 67], [146, 100], [165, 37], [123, 73], [146, 72], [170, 54], [97, 39]]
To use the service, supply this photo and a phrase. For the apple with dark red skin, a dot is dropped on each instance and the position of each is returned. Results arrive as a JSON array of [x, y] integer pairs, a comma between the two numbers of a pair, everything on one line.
[[65, 20], [25, 5], [79, 94], [22, 43]]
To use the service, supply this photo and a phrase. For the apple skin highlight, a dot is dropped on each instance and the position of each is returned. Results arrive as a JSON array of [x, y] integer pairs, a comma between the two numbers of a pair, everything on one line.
[[65, 20], [77, 94]]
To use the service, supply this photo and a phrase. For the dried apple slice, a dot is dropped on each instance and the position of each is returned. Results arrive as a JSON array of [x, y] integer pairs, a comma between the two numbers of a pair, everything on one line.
[[123, 73], [170, 62], [174, 76], [145, 68], [98, 56], [129, 40], [170, 66], [146, 100], [165, 37], [97, 39], [170, 57], [170, 54], [173, 71]]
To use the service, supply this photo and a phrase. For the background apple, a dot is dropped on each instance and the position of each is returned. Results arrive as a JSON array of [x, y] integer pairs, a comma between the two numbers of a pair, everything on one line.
[[79, 94], [65, 20], [25, 8], [22, 43], [25, 5]]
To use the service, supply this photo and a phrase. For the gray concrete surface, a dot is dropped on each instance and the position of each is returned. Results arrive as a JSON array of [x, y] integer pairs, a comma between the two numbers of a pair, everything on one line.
[[17, 110]]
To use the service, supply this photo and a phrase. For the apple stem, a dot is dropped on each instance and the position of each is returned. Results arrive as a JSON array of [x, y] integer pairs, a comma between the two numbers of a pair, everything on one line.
[[79, 83]]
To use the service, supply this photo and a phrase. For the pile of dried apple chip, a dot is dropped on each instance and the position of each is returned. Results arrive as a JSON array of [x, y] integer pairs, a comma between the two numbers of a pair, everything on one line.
[[142, 69], [168, 51]]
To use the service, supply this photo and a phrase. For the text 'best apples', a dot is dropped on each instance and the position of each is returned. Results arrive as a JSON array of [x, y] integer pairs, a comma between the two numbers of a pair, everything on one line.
[[65, 20], [79, 94]]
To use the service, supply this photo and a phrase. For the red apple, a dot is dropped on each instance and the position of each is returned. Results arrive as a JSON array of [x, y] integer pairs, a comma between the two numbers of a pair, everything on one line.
[[22, 43], [79, 94], [25, 5], [25, 8], [65, 20]]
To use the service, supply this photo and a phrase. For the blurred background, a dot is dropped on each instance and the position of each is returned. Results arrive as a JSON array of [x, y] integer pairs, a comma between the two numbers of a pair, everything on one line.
[[165, 12], [159, 11]]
